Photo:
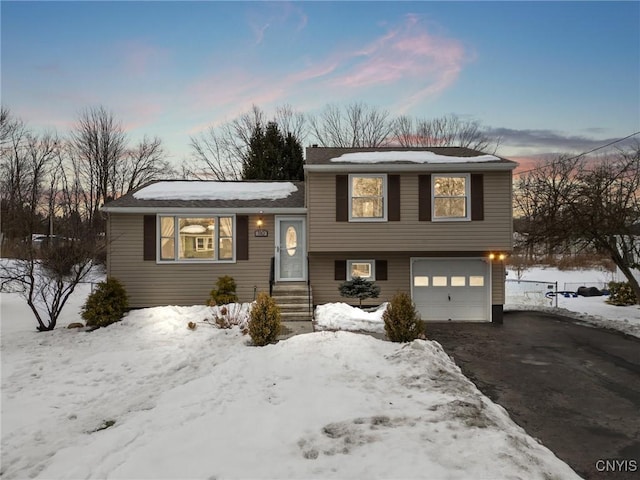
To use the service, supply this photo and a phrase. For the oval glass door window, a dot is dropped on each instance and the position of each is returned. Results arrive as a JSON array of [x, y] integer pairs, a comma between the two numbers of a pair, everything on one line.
[[291, 240]]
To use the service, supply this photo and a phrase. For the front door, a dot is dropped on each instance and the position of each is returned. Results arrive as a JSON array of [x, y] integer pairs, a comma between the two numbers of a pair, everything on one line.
[[291, 255]]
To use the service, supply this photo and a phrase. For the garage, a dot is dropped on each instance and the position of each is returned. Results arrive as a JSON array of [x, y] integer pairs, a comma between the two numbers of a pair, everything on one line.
[[457, 289]]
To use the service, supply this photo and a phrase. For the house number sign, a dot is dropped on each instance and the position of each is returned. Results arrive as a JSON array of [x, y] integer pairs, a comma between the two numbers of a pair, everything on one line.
[[261, 233]]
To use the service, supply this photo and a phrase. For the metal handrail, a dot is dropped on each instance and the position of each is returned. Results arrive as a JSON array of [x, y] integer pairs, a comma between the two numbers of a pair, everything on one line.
[[272, 275], [309, 290]]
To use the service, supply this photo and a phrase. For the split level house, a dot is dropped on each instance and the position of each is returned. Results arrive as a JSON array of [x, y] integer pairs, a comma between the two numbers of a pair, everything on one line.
[[433, 222]]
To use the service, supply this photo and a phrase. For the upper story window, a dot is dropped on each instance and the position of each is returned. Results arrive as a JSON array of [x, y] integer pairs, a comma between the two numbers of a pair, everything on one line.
[[367, 197], [451, 195], [208, 239]]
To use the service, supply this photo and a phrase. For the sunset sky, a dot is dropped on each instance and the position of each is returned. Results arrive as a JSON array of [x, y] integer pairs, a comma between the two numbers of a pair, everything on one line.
[[546, 76]]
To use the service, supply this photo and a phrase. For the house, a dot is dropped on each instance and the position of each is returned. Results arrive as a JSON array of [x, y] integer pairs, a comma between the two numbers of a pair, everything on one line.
[[434, 222]]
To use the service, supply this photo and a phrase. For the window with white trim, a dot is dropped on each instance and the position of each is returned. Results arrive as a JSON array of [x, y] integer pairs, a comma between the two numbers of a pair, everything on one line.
[[451, 194], [367, 197], [190, 238], [361, 268]]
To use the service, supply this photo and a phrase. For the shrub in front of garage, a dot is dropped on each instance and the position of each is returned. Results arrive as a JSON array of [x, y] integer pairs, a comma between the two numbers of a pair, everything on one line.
[[402, 322]]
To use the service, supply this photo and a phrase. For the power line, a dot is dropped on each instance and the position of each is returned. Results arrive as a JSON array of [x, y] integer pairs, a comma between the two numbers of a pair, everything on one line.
[[581, 154]]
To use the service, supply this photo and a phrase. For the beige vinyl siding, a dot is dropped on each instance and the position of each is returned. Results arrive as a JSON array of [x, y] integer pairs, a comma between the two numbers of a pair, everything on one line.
[[151, 284], [325, 288], [494, 233], [498, 270]]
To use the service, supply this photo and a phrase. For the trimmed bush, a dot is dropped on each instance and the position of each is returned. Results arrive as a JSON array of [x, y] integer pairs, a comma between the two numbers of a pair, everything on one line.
[[264, 320], [225, 293], [106, 304], [401, 320], [621, 294], [359, 288]]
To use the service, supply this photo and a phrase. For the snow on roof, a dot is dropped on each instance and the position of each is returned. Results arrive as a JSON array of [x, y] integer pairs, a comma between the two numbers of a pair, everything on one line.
[[423, 156], [184, 190]]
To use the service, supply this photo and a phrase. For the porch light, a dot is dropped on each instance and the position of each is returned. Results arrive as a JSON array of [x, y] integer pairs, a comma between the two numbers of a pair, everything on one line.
[[260, 221], [492, 256]]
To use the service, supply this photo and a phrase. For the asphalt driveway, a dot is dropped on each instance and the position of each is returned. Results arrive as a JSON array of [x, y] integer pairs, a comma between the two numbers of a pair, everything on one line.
[[575, 388]]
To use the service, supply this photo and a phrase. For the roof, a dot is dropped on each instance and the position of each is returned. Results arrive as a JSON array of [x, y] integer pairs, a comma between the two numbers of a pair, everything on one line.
[[403, 158], [194, 195]]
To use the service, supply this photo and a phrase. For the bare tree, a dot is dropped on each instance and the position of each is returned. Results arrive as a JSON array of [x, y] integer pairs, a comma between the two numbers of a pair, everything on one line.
[[99, 143], [103, 165], [26, 162], [355, 125], [141, 164], [221, 152], [447, 131], [46, 276], [586, 202]]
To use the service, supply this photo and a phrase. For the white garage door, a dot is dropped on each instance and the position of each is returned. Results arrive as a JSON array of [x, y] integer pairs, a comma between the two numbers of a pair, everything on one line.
[[451, 288]]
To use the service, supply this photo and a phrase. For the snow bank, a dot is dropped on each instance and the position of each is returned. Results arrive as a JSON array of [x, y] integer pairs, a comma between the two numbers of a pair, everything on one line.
[[216, 191], [340, 316]]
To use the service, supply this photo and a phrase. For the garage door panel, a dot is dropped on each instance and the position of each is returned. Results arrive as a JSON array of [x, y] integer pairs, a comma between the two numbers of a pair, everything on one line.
[[451, 289]]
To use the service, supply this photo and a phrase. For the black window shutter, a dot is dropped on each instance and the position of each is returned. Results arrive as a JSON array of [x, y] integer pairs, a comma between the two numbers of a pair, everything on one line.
[[381, 269], [424, 198], [340, 270], [342, 198], [393, 186], [149, 238], [242, 237], [477, 196]]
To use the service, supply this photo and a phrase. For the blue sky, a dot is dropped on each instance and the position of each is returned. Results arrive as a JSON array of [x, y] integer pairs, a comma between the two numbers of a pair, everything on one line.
[[547, 76]]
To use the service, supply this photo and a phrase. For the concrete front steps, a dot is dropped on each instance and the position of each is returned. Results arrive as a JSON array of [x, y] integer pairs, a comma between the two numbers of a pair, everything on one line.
[[294, 299]]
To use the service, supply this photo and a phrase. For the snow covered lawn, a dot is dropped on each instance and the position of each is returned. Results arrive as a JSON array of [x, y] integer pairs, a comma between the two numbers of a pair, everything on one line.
[[149, 398], [590, 310]]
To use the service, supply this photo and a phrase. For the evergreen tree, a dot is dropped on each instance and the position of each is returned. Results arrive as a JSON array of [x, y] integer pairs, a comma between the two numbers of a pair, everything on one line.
[[273, 156]]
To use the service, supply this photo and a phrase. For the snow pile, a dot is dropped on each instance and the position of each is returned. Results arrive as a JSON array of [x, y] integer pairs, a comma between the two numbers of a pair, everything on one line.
[[149, 398], [216, 191], [409, 156], [340, 316]]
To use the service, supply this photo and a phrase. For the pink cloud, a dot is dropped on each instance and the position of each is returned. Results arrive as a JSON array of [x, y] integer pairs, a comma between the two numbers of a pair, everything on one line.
[[419, 65]]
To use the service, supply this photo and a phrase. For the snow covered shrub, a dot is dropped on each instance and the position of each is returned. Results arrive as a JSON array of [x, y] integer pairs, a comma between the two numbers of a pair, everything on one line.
[[225, 293], [359, 288], [621, 294], [106, 304], [231, 315], [264, 320], [401, 320]]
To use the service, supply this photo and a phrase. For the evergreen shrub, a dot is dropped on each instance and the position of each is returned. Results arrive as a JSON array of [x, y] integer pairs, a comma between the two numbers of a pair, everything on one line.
[[621, 294], [359, 288], [225, 293], [264, 320], [401, 320], [106, 304]]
